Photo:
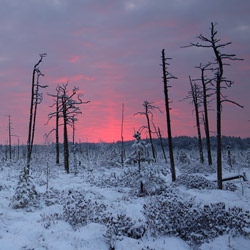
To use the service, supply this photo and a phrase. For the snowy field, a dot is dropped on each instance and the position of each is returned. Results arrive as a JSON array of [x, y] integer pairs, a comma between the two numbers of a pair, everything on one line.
[[101, 208]]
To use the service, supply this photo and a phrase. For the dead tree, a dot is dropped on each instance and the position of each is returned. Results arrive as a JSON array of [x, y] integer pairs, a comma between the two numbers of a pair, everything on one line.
[[10, 128], [158, 133], [221, 82], [162, 147], [166, 77], [18, 148], [149, 114], [74, 119], [205, 89], [36, 98], [195, 95], [122, 150], [67, 109], [56, 129]]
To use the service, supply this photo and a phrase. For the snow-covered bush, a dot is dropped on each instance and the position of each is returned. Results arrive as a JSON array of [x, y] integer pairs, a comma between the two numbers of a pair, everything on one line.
[[193, 223], [25, 193], [149, 181], [53, 196], [229, 186], [248, 157], [139, 153], [195, 181], [153, 178], [48, 220], [79, 211], [117, 226], [196, 168], [182, 157], [121, 225], [199, 182]]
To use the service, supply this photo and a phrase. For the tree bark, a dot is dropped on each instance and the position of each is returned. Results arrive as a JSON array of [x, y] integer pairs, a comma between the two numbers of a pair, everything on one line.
[[65, 144], [57, 133], [206, 124], [9, 138], [150, 134], [170, 145], [29, 149], [219, 164], [122, 151], [162, 147], [194, 92]]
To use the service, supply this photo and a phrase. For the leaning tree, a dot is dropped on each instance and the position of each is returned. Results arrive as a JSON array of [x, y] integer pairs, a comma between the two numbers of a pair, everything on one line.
[[221, 82], [36, 98], [68, 109]]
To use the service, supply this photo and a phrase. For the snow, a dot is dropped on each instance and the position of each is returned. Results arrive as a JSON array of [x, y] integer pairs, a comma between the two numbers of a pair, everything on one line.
[[27, 229]]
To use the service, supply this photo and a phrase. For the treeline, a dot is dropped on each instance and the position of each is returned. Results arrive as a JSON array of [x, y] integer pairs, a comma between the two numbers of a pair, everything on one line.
[[190, 143], [179, 143]]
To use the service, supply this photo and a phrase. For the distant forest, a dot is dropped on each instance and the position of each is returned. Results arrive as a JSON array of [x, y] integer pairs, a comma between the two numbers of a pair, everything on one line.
[[179, 143], [190, 143]]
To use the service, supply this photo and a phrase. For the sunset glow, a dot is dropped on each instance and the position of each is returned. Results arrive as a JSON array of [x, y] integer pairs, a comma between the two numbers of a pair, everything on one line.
[[111, 50]]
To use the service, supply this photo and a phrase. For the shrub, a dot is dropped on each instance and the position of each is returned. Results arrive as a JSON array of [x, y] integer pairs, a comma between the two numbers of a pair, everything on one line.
[[195, 181], [78, 211], [25, 193], [122, 225], [182, 157], [194, 224], [48, 220]]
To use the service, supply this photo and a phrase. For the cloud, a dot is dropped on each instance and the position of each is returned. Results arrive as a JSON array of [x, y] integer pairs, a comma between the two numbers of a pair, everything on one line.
[[112, 51]]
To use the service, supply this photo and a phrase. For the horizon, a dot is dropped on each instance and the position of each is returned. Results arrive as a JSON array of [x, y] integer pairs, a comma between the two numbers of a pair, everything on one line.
[[111, 50], [119, 141]]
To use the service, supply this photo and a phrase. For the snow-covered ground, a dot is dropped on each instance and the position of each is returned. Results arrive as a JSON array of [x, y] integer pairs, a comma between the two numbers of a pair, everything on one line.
[[43, 224]]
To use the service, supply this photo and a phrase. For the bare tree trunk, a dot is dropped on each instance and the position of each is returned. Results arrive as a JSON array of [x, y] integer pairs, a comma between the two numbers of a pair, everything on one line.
[[57, 133], [122, 152], [219, 165], [29, 148], [74, 148], [32, 117], [206, 124], [65, 144], [9, 138], [139, 166], [150, 135], [199, 134], [194, 92], [18, 148], [162, 147], [170, 145]]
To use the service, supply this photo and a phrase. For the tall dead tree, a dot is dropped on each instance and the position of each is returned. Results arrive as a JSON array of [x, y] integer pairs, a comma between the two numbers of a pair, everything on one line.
[[205, 89], [149, 114], [10, 128], [195, 95], [67, 109], [122, 150], [36, 98], [56, 129], [74, 119], [57, 132], [221, 82], [166, 77]]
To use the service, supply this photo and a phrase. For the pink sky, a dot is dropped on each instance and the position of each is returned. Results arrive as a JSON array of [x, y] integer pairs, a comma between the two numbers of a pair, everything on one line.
[[111, 50]]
